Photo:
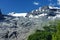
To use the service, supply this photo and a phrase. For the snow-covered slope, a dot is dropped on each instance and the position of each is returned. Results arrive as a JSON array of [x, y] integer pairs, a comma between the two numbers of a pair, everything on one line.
[[17, 14]]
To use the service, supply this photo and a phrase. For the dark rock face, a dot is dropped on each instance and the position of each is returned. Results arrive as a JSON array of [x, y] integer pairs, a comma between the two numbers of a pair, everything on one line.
[[51, 14], [1, 15]]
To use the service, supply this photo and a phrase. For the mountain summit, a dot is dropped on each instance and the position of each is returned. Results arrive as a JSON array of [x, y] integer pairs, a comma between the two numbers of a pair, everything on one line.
[[47, 11]]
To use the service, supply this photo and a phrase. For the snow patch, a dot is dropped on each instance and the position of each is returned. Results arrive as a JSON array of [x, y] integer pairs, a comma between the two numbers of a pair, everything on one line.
[[17, 14]]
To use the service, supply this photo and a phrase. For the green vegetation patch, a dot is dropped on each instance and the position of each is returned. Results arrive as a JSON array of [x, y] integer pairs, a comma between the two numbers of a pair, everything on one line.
[[51, 32]]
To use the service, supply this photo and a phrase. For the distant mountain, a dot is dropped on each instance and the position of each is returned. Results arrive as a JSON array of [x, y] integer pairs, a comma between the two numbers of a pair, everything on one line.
[[27, 23], [41, 11]]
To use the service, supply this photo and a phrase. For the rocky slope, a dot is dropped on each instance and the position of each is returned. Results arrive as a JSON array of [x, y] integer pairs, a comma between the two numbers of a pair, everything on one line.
[[23, 26]]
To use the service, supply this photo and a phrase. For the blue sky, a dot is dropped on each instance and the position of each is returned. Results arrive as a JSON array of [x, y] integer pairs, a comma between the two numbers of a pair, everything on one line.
[[23, 5]]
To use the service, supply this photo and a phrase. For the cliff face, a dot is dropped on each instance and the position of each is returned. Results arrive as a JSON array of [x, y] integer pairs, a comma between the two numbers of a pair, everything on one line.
[[18, 28]]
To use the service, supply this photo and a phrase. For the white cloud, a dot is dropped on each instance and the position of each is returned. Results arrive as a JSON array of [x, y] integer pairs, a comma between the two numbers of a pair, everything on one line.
[[58, 2], [35, 3]]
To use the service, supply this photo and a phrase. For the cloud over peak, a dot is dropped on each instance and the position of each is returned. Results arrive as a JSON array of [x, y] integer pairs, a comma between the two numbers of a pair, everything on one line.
[[36, 3]]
